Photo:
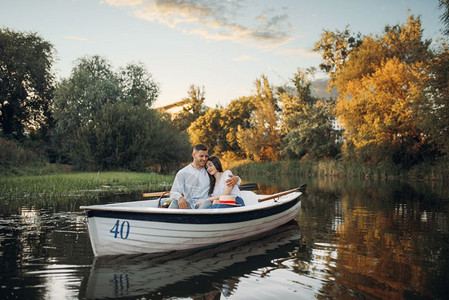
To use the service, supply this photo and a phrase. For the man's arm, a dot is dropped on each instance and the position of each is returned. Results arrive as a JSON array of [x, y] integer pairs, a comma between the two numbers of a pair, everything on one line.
[[233, 180], [177, 187], [177, 190]]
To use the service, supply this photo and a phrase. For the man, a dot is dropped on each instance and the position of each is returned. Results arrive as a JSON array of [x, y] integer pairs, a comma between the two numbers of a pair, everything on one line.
[[192, 182]]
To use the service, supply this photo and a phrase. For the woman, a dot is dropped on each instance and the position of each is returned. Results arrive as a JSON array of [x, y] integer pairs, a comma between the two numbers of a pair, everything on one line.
[[218, 186]]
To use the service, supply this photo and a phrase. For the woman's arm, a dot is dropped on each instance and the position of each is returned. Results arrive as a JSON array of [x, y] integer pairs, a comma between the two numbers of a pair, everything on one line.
[[211, 199]]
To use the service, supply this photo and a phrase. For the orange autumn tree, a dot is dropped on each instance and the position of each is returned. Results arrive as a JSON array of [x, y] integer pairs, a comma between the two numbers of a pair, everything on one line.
[[262, 140], [378, 112], [378, 82], [218, 128]]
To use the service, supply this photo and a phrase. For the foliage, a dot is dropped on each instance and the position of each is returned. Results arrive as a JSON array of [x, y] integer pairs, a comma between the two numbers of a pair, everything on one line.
[[207, 130], [336, 47], [192, 110], [433, 108], [383, 118], [137, 86], [129, 137], [13, 155], [331, 168], [262, 140], [379, 90], [92, 85], [218, 128], [307, 123], [444, 4], [26, 83], [314, 134], [235, 118]]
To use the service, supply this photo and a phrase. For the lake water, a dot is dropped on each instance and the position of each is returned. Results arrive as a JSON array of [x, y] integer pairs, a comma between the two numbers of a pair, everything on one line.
[[351, 240]]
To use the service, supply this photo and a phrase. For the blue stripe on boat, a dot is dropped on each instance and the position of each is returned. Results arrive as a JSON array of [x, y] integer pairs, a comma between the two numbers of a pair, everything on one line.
[[195, 218]]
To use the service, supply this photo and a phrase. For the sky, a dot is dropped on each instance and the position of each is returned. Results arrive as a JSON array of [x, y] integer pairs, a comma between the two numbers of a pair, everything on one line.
[[222, 46]]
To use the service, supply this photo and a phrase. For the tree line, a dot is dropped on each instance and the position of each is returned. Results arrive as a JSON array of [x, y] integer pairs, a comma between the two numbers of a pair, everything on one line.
[[391, 107]]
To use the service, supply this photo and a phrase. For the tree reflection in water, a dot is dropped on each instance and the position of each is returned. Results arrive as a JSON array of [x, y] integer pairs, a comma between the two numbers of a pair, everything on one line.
[[358, 239], [386, 240]]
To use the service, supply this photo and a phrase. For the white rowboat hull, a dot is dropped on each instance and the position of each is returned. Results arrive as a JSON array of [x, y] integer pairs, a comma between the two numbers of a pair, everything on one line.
[[140, 227], [141, 275]]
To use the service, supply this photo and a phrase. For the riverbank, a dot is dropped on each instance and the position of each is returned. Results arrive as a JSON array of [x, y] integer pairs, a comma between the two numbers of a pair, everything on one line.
[[56, 183], [436, 171], [79, 185]]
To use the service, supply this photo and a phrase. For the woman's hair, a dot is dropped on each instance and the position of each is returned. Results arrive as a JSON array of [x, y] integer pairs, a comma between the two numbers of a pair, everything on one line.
[[216, 161]]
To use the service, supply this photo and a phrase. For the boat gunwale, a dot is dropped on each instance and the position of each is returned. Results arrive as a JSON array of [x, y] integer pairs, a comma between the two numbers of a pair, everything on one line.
[[144, 210]]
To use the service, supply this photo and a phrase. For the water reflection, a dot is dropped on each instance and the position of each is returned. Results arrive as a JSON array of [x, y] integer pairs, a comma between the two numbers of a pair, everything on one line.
[[199, 273], [358, 239], [39, 254], [387, 242]]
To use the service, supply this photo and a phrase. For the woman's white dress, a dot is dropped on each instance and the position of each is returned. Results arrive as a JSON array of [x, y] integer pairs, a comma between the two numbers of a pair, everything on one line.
[[220, 186]]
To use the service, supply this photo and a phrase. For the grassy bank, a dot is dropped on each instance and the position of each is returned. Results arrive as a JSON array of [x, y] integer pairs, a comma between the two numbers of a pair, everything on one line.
[[333, 168], [75, 185], [60, 186]]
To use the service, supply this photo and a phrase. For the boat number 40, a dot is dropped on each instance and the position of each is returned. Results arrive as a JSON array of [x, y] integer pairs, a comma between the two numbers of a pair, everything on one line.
[[120, 229]]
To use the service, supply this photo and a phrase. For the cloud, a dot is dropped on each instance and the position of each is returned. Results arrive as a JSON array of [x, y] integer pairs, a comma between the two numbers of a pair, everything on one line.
[[215, 19], [76, 38], [172, 13], [244, 58]]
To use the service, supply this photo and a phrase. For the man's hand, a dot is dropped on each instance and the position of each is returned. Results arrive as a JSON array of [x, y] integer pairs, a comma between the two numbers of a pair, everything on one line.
[[182, 203], [232, 180]]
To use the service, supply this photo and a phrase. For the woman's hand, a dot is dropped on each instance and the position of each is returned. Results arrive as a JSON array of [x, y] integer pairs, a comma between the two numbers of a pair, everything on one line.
[[201, 201]]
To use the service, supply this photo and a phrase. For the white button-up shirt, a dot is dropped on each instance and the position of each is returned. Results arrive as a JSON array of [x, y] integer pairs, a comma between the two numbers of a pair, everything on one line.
[[193, 183]]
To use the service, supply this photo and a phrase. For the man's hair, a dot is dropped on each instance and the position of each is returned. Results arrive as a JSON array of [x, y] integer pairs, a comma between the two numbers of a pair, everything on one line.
[[199, 147]]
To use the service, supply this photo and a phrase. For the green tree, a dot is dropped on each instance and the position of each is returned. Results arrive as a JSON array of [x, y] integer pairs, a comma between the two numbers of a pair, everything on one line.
[[26, 82], [314, 134], [295, 99], [78, 98], [433, 109], [307, 123], [129, 137], [92, 85], [192, 110], [137, 85]]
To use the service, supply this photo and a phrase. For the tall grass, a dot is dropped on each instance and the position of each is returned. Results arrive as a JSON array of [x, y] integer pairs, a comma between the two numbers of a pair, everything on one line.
[[335, 168], [75, 185]]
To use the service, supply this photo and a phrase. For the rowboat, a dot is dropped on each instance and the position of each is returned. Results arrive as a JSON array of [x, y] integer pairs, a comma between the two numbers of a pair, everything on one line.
[[152, 275], [145, 227]]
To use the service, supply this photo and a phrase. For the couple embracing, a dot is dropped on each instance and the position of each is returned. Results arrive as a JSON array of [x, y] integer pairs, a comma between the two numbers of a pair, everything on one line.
[[202, 182]]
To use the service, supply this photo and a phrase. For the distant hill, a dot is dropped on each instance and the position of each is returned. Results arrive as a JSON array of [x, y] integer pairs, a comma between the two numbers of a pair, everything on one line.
[[319, 89]]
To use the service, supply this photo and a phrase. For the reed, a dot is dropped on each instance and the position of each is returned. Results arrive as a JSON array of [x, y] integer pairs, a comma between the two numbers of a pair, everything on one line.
[[337, 168]]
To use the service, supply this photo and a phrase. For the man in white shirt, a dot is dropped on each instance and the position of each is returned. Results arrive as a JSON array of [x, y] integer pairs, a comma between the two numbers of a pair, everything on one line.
[[192, 182]]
